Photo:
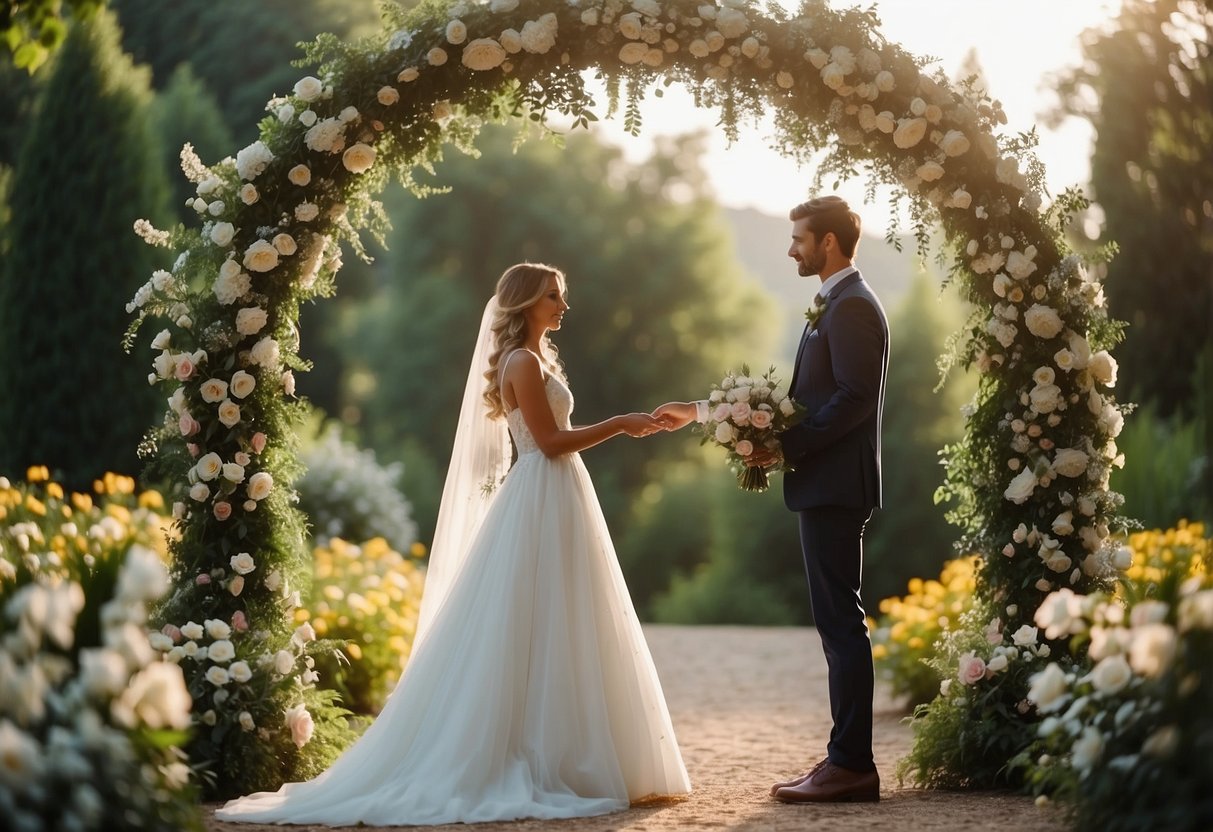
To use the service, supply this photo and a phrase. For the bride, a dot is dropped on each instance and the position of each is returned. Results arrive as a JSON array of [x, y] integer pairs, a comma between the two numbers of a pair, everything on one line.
[[530, 692]]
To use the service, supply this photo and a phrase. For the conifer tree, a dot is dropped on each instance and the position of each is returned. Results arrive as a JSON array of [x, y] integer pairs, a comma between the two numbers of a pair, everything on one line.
[[70, 398]]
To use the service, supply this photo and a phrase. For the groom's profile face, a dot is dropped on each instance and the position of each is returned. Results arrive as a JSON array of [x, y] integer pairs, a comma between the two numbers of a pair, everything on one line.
[[809, 255]]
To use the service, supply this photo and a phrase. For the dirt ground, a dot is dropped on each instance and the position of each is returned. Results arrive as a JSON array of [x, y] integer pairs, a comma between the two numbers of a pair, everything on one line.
[[749, 707]]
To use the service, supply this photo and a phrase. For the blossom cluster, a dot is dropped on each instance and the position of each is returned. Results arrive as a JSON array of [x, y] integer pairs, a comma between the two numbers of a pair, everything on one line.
[[80, 698], [746, 413]]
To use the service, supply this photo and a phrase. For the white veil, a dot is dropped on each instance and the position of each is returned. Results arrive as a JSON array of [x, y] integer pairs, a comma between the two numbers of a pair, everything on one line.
[[479, 459]]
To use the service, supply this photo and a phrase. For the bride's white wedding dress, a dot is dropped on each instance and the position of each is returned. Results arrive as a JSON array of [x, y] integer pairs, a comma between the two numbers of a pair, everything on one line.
[[533, 694]]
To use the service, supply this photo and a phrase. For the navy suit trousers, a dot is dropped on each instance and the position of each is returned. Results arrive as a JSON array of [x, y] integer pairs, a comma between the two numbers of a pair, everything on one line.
[[831, 538]]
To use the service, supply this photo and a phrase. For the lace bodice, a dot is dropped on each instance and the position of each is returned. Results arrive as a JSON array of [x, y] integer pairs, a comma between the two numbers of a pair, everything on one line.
[[561, 400]]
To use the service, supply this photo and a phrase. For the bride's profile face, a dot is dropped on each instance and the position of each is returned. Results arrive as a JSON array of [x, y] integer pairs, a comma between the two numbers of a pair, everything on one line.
[[548, 312]]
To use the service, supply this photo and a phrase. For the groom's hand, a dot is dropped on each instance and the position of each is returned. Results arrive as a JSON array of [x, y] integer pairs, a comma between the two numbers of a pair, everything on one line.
[[675, 415], [761, 458]]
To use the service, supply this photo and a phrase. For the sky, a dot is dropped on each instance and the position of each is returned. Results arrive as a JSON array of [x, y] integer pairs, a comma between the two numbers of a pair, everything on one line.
[[1018, 44]]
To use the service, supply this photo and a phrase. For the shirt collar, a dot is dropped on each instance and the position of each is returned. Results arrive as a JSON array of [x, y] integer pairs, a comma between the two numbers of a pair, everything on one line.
[[830, 283]]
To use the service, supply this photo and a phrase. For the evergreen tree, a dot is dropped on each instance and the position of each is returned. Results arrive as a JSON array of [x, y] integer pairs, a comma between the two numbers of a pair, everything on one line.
[[69, 397]]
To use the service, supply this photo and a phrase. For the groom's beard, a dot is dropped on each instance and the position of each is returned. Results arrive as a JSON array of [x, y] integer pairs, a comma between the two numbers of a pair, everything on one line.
[[808, 268]]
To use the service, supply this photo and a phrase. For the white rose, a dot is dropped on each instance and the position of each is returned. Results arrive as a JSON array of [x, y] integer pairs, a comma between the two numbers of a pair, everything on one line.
[[221, 652], [265, 352], [233, 472], [456, 32], [209, 467], [483, 54], [308, 89], [787, 407], [929, 171], [243, 563], [436, 56], [242, 384], [252, 160], [250, 320], [288, 383], [909, 132], [1025, 636], [1195, 611], [306, 211], [1021, 487], [192, 630], [408, 74], [358, 158], [589, 17], [259, 487], [731, 23], [1087, 749], [538, 36], [833, 77], [630, 26], [1020, 265], [633, 52], [1042, 321], [1063, 523], [222, 234], [229, 413], [954, 143], [1070, 462], [199, 492], [261, 256], [783, 78], [284, 662], [885, 122], [885, 82], [1111, 674], [1049, 689], [240, 671], [1102, 367], [511, 41], [997, 664], [300, 175], [1045, 397], [724, 433], [327, 136], [217, 676]]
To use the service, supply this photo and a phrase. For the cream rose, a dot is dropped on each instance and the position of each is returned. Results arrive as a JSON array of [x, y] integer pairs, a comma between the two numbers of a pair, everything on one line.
[[436, 56], [199, 492], [299, 175], [511, 41], [261, 256], [306, 211], [409, 73], [954, 143], [242, 384], [240, 672], [358, 158], [243, 563], [1021, 487], [724, 433], [221, 652], [909, 132], [252, 160], [1049, 688], [1102, 367], [250, 320], [456, 32], [229, 413], [209, 467], [483, 54], [285, 244], [222, 234], [308, 88], [265, 352], [260, 485], [539, 36], [1042, 321], [217, 676], [1070, 462], [731, 23], [233, 472], [633, 52]]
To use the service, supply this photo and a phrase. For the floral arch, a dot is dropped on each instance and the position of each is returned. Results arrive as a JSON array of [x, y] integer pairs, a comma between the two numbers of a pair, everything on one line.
[[1030, 480]]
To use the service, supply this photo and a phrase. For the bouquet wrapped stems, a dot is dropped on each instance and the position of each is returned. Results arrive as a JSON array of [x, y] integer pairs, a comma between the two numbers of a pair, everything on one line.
[[753, 478]]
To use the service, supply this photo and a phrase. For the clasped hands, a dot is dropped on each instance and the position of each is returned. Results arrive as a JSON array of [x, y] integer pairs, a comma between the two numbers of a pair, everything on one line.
[[677, 415]]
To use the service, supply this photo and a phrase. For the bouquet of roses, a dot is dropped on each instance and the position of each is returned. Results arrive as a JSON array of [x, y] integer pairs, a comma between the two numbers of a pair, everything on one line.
[[745, 413]]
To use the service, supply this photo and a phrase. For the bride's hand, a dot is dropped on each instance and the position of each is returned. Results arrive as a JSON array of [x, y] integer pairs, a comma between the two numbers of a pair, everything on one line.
[[639, 424]]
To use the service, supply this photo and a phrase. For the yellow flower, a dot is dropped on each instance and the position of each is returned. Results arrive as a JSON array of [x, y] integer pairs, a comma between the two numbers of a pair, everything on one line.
[[37, 473], [35, 505]]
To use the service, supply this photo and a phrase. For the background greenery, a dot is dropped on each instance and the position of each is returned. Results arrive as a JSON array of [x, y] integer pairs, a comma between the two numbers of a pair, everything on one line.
[[661, 302]]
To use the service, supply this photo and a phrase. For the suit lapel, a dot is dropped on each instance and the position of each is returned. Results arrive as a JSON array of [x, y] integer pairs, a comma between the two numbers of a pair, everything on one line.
[[849, 280]]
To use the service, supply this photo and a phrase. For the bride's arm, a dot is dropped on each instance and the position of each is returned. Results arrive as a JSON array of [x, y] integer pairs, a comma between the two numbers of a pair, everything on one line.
[[526, 380]]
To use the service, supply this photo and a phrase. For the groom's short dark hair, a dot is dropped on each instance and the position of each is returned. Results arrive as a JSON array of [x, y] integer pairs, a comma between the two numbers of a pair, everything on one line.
[[831, 214]]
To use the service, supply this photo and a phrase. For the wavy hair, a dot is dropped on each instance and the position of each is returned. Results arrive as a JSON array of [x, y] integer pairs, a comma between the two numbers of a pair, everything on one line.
[[518, 289]]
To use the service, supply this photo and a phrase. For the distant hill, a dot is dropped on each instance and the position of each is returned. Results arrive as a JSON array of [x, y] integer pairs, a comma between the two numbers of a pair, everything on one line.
[[762, 242]]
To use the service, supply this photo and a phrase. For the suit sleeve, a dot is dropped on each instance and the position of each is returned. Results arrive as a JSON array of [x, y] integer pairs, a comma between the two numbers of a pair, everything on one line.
[[857, 343]]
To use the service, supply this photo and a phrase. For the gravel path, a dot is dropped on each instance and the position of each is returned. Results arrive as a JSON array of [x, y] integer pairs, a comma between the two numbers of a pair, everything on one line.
[[749, 707]]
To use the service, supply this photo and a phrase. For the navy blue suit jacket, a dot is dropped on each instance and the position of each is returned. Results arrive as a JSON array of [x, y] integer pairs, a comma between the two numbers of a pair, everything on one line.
[[839, 376]]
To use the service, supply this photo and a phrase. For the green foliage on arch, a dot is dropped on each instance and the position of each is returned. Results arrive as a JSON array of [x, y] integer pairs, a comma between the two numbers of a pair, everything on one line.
[[1029, 482]]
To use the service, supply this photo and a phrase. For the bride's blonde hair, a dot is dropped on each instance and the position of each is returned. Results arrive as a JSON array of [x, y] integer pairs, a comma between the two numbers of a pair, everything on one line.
[[518, 289]]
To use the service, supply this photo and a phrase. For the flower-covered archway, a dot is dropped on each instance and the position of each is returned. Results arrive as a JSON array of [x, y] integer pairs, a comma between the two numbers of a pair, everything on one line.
[[1030, 480]]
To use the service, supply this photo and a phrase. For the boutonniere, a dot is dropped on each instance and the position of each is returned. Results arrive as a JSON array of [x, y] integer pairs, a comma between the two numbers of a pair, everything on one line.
[[813, 313]]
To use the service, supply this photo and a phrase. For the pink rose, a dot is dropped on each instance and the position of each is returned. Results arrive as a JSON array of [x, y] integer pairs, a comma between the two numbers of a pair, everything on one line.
[[188, 424], [242, 458], [972, 669], [203, 579], [740, 411], [184, 368], [172, 631], [761, 419], [721, 412], [299, 721], [223, 510], [239, 621], [258, 442], [192, 448], [745, 447]]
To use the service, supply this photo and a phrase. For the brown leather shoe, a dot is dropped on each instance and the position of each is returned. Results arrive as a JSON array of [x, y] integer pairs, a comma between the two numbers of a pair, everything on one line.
[[833, 784], [799, 778]]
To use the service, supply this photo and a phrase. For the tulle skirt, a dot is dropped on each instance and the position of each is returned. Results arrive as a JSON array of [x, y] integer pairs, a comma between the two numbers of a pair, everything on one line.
[[532, 696]]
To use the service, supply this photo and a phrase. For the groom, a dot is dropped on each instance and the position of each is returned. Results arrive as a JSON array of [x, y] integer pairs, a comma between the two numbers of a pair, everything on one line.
[[834, 484]]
